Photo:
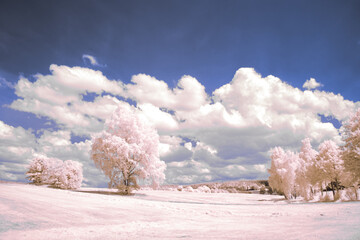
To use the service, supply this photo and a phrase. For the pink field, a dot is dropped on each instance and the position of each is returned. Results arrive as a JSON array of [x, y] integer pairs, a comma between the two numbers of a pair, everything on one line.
[[32, 212]]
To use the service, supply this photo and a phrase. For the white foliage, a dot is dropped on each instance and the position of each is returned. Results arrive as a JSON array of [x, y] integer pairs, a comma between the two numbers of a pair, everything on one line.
[[69, 176], [127, 149], [53, 171], [188, 189], [204, 189], [42, 169], [351, 153], [307, 157], [283, 172], [329, 162]]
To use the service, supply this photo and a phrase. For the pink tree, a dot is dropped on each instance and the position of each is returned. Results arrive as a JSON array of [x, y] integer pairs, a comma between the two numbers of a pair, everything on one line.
[[329, 164], [304, 173], [351, 151], [127, 150], [41, 169], [283, 172], [55, 172], [68, 176]]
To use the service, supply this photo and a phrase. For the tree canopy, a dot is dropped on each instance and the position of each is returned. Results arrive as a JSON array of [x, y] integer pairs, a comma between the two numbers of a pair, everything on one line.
[[128, 150]]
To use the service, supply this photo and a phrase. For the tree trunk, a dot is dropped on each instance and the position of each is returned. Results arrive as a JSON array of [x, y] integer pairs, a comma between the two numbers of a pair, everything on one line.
[[311, 192], [332, 189], [337, 183], [355, 188]]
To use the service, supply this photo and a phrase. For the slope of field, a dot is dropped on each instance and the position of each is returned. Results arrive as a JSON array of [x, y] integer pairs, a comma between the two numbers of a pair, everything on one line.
[[32, 212]]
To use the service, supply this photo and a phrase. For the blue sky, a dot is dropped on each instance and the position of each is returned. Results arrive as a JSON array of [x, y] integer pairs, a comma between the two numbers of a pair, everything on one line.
[[293, 41]]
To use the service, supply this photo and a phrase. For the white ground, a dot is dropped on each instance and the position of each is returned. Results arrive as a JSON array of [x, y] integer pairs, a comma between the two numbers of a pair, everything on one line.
[[32, 212]]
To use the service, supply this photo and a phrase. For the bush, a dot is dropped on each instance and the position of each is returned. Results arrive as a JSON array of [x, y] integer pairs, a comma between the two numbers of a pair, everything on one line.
[[56, 173], [325, 198], [349, 194], [69, 176], [188, 189], [42, 170], [204, 189]]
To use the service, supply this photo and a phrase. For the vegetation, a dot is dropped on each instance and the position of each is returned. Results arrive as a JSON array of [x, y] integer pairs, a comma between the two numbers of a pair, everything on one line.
[[128, 150], [332, 168], [239, 186], [54, 172]]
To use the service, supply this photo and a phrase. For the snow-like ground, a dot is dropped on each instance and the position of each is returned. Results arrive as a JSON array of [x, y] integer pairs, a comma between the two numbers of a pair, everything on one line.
[[33, 212]]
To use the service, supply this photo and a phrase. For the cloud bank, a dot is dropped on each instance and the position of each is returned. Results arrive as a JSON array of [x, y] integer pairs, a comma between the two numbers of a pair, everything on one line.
[[204, 136]]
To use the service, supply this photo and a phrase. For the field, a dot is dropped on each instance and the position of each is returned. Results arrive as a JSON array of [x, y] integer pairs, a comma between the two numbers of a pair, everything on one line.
[[38, 212]]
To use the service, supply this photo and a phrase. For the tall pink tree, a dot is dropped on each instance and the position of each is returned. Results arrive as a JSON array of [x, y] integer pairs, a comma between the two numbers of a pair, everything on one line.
[[283, 172], [351, 150], [304, 176], [128, 150], [330, 164]]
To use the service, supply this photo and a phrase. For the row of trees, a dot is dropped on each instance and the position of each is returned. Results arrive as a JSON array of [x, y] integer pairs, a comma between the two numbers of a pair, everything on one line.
[[305, 173], [55, 172]]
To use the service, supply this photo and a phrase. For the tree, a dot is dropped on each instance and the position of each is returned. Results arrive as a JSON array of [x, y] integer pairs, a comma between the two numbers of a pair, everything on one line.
[[330, 164], [41, 169], [282, 172], [54, 172], [68, 176], [128, 150], [304, 173], [351, 150]]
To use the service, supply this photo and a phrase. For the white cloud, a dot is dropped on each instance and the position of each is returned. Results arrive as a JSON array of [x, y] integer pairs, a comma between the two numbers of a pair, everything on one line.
[[16, 148], [260, 167], [311, 84], [188, 171], [161, 120], [5, 83], [81, 80], [188, 146], [91, 59], [188, 95], [223, 136], [59, 97]]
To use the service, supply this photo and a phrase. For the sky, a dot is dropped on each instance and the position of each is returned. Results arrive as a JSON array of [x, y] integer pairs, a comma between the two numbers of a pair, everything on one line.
[[223, 82]]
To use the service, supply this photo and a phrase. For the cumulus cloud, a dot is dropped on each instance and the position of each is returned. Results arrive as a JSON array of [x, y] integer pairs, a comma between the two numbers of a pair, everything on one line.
[[16, 148], [188, 95], [204, 137], [160, 119], [311, 84], [59, 96]]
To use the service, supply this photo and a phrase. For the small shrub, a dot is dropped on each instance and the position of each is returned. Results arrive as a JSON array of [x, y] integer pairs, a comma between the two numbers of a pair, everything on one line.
[[349, 194], [337, 196], [325, 198], [204, 189], [188, 189]]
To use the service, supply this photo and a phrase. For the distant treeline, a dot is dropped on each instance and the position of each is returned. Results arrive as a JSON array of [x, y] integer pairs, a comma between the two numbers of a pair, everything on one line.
[[238, 186]]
